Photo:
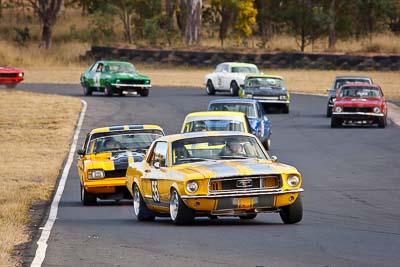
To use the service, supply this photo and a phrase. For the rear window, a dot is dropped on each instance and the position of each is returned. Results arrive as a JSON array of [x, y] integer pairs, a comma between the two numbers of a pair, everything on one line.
[[341, 82], [246, 108]]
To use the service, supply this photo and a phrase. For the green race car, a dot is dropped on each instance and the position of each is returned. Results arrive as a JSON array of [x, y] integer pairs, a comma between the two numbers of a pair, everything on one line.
[[114, 77]]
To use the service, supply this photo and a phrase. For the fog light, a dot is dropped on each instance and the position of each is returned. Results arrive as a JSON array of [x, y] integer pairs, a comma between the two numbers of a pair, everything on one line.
[[291, 198], [192, 186]]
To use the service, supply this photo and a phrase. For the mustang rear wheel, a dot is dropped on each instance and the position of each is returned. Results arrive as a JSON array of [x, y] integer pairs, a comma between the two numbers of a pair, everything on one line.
[[210, 90], [248, 216], [292, 213], [140, 209], [179, 212], [234, 89], [108, 90], [87, 199]]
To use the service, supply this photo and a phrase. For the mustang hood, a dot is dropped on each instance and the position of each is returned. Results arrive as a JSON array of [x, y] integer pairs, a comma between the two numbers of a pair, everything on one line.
[[130, 75], [115, 160], [266, 92], [231, 168], [358, 102]]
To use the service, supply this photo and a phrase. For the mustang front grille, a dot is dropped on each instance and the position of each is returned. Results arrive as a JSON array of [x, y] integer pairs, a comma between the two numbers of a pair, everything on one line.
[[8, 75], [357, 109], [132, 81], [244, 184], [115, 174]]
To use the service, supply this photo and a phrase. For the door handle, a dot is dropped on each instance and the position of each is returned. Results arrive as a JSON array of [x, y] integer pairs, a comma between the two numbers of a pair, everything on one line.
[[147, 170]]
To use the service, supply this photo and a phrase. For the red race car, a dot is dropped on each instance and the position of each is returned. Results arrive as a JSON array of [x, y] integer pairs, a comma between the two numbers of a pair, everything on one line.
[[10, 76], [359, 103]]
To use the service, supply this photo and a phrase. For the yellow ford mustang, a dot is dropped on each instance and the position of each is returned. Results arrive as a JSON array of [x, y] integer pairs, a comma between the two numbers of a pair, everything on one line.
[[105, 156], [212, 174]]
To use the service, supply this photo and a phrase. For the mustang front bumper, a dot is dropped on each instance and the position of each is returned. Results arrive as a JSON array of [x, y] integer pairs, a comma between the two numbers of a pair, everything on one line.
[[357, 115], [118, 85], [106, 185]]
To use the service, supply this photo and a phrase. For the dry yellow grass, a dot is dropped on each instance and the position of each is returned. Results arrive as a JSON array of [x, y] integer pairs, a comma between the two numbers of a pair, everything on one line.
[[35, 131]]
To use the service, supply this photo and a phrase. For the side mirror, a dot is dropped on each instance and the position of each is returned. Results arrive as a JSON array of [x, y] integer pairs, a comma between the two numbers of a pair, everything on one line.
[[157, 165], [81, 152], [274, 158], [328, 90]]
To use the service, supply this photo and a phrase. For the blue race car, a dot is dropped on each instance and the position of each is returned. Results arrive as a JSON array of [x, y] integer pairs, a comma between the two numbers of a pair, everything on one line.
[[259, 122]]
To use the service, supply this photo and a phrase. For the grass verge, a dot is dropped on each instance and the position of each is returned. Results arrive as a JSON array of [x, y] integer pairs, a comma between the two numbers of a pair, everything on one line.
[[36, 131]]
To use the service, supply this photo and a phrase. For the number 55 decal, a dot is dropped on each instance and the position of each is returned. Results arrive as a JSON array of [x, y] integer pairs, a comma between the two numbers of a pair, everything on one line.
[[154, 189]]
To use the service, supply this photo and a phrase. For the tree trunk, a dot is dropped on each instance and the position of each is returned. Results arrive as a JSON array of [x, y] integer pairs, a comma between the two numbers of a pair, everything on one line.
[[193, 21], [47, 32], [332, 24]]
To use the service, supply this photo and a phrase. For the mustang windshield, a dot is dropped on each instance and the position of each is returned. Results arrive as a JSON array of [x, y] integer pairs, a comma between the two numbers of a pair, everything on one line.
[[246, 108], [265, 83], [135, 142], [360, 92], [214, 125], [121, 67], [216, 148]]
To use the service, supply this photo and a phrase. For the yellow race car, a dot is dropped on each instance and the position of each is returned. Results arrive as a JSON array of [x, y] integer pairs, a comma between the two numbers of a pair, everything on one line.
[[212, 174], [105, 156]]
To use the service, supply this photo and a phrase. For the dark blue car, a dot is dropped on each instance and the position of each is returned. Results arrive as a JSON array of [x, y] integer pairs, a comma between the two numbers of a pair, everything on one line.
[[259, 122]]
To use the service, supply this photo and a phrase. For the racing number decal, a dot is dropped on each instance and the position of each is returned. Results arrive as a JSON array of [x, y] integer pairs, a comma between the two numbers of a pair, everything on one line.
[[154, 189]]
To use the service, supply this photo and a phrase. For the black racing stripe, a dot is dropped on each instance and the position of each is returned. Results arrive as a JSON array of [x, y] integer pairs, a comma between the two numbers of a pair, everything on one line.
[[132, 127], [116, 128]]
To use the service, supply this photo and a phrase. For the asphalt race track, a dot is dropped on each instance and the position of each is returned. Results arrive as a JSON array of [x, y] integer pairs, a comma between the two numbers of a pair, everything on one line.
[[351, 199]]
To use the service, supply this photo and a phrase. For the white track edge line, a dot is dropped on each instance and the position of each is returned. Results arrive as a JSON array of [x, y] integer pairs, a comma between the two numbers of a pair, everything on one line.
[[44, 237]]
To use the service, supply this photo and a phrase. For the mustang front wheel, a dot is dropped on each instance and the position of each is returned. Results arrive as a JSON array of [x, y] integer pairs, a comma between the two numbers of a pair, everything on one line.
[[140, 209], [180, 213], [210, 90], [292, 213], [144, 92], [267, 143], [87, 198]]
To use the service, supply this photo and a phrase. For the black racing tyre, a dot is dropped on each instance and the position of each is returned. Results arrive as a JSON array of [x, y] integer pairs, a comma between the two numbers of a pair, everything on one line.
[[328, 111], [248, 216], [335, 122], [210, 90], [179, 212], [108, 90], [285, 109], [292, 213], [213, 217], [11, 85], [140, 209], [234, 89], [144, 92], [267, 143], [87, 199], [86, 89], [382, 122]]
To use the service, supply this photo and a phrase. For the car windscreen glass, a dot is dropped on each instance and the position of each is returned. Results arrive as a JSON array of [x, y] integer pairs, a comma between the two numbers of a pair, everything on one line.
[[341, 82], [265, 83], [245, 69], [215, 125], [115, 67], [361, 92], [246, 108], [216, 148], [138, 142]]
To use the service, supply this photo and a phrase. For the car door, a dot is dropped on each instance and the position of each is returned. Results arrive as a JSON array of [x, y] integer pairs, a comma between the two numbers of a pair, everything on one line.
[[266, 123], [224, 77], [90, 74], [154, 181], [217, 82]]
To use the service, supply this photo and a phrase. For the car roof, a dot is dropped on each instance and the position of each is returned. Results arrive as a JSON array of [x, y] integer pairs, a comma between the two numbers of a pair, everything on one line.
[[352, 77], [126, 128], [360, 85], [239, 64], [233, 100], [175, 137], [264, 76], [215, 114], [113, 61]]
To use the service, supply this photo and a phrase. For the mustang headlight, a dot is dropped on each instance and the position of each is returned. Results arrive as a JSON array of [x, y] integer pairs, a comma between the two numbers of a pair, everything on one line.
[[249, 96], [338, 109], [21, 74], [147, 82], [192, 187], [377, 110], [282, 97], [293, 180], [95, 174]]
